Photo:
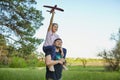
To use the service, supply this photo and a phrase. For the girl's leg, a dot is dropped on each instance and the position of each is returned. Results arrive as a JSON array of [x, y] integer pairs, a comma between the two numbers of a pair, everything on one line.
[[64, 51], [50, 50]]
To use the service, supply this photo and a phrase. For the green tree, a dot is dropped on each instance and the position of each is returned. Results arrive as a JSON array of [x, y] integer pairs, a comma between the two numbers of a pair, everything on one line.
[[112, 57], [41, 56], [3, 50], [19, 20], [84, 62]]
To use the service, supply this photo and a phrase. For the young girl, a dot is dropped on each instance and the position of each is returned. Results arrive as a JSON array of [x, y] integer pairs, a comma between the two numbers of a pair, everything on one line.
[[50, 37]]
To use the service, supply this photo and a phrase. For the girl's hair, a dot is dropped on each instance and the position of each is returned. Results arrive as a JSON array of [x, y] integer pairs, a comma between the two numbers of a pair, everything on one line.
[[54, 24]]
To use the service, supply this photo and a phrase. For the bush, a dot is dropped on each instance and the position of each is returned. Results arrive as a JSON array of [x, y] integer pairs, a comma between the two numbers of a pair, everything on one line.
[[32, 62], [17, 62], [41, 64]]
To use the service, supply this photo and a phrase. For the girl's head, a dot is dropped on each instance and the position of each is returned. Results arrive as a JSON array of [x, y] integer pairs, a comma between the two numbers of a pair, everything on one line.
[[54, 27]]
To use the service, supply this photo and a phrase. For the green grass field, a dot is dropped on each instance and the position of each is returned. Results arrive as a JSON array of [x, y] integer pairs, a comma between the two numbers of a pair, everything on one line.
[[74, 73]]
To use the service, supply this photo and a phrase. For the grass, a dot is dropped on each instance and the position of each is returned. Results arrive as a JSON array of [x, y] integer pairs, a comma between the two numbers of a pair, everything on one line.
[[21, 74], [74, 73], [89, 73]]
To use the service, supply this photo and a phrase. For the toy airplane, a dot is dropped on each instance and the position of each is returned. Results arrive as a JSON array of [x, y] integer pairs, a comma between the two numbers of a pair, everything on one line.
[[53, 8]]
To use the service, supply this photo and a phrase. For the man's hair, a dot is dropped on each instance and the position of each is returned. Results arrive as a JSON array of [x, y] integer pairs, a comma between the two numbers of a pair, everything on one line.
[[54, 24], [57, 39]]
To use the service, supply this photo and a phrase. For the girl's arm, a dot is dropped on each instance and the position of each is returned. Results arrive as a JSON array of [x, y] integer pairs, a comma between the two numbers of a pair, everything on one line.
[[51, 21]]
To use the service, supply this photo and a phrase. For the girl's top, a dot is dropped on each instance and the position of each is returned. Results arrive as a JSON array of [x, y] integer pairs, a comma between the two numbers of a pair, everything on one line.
[[50, 37]]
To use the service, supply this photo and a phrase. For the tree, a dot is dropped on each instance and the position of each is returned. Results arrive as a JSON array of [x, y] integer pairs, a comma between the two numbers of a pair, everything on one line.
[[19, 20], [112, 57], [84, 62], [41, 56], [3, 51]]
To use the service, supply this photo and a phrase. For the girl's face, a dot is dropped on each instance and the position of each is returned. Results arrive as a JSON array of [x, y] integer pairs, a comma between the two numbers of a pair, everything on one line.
[[54, 28]]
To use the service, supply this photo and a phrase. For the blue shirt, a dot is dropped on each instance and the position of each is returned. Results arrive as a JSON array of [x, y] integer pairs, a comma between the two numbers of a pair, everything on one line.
[[57, 74]]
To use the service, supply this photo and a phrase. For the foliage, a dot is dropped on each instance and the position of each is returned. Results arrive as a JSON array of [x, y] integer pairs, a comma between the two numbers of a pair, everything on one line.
[[3, 51], [41, 56], [41, 64], [84, 62], [112, 57], [31, 60], [17, 62], [19, 20]]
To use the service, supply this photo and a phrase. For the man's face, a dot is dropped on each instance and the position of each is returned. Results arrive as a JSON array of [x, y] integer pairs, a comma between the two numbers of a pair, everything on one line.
[[58, 43]]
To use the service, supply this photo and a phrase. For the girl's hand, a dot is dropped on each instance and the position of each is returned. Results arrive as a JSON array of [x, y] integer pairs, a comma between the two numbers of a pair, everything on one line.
[[62, 53], [53, 12], [60, 61]]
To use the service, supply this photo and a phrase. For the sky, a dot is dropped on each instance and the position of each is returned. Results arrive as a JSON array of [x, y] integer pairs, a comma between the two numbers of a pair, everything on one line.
[[85, 26]]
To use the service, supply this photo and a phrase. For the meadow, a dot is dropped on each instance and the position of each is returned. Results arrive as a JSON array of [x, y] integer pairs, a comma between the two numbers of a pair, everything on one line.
[[74, 73]]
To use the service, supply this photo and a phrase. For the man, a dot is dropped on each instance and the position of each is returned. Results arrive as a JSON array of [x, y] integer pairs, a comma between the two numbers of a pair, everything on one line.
[[57, 61]]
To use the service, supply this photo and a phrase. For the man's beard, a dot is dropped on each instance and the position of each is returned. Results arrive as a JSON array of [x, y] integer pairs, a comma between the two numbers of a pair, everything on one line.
[[58, 47]]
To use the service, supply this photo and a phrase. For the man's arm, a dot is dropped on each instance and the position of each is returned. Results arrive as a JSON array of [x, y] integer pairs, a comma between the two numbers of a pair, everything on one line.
[[50, 62], [51, 21]]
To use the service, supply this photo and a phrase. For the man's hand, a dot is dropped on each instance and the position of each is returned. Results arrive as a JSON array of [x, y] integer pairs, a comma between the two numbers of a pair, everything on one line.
[[60, 61]]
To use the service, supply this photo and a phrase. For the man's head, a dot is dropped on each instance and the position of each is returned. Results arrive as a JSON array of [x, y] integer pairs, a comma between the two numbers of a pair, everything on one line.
[[58, 43]]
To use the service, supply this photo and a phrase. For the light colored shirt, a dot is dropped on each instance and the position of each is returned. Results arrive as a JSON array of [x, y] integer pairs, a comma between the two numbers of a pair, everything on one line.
[[50, 37]]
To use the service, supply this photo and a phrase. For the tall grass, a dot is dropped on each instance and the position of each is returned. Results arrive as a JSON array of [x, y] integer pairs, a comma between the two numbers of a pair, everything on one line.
[[74, 73], [89, 73], [22, 74]]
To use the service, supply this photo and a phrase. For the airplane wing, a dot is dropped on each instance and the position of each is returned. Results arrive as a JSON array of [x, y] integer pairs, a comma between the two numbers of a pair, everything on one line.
[[53, 8], [59, 9], [48, 6]]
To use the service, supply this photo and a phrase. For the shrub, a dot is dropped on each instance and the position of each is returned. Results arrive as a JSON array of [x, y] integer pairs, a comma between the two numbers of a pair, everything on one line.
[[17, 62], [32, 62], [41, 64]]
